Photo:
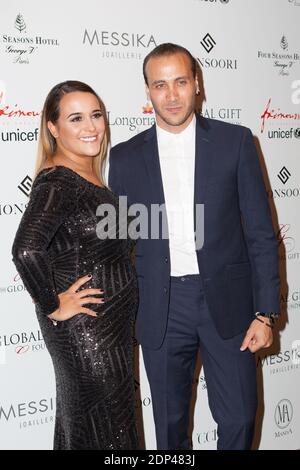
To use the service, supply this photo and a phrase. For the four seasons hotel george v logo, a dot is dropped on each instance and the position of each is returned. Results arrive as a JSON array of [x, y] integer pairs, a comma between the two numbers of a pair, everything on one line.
[[21, 46]]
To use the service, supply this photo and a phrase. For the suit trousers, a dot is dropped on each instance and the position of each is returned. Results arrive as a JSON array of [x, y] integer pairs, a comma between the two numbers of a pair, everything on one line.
[[230, 374]]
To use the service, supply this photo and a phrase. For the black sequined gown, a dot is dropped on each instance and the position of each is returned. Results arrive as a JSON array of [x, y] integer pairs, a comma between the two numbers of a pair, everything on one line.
[[56, 243]]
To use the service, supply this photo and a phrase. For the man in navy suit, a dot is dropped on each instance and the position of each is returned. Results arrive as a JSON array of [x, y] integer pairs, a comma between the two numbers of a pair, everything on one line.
[[220, 298]]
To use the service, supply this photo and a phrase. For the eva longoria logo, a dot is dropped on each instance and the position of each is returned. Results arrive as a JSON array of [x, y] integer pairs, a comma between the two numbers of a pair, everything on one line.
[[133, 123], [22, 46]]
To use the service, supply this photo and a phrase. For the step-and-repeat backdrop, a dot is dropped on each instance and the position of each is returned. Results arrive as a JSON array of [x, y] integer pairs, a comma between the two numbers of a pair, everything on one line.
[[249, 54]]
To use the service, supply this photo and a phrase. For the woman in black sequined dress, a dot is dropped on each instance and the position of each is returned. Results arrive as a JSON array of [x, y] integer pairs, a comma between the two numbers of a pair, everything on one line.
[[84, 288]]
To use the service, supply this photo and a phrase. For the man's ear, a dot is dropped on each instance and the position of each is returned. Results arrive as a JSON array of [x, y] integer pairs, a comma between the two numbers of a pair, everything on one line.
[[197, 86], [52, 129], [147, 92]]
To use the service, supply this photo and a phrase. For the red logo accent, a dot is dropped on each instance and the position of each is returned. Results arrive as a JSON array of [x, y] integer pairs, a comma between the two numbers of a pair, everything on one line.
[[22, 349], [17, 277], [289, 242], [10, 112], [270, 114], [148, 109]]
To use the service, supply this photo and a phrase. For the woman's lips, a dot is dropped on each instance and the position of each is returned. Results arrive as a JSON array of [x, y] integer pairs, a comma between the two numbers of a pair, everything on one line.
[[89, 139]]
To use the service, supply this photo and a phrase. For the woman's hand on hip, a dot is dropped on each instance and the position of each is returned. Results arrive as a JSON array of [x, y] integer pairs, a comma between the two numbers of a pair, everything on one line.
[[72, 303]]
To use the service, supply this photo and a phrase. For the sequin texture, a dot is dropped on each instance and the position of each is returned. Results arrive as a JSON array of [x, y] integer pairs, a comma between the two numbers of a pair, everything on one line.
[[56, 243]]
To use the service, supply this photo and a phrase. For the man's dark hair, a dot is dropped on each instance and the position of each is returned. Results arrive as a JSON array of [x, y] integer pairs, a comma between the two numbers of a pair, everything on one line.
[[168, 49]]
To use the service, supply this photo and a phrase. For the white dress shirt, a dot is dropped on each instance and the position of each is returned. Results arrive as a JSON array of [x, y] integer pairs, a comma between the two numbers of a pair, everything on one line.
[[177, 163]]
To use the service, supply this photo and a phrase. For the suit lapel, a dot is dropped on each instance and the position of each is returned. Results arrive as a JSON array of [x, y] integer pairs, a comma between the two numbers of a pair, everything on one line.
[[203, 159], [151, 158]]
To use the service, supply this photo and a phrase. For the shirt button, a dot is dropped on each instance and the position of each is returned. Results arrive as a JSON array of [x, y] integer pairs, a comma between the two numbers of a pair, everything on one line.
[[166, 259], [165, 290]]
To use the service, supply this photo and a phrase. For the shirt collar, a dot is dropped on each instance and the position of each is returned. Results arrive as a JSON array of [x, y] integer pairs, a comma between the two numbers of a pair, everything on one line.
[[187, 133]]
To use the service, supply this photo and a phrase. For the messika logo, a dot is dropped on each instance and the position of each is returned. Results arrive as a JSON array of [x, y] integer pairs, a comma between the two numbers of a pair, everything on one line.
[[116, 38]]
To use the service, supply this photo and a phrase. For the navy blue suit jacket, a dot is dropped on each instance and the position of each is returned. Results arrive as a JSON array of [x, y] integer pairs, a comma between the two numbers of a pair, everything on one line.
[[238, 262]]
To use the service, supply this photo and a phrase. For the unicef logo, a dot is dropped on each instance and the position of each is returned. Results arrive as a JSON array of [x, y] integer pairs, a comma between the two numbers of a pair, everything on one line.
[[283, 413], [297, 133]]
